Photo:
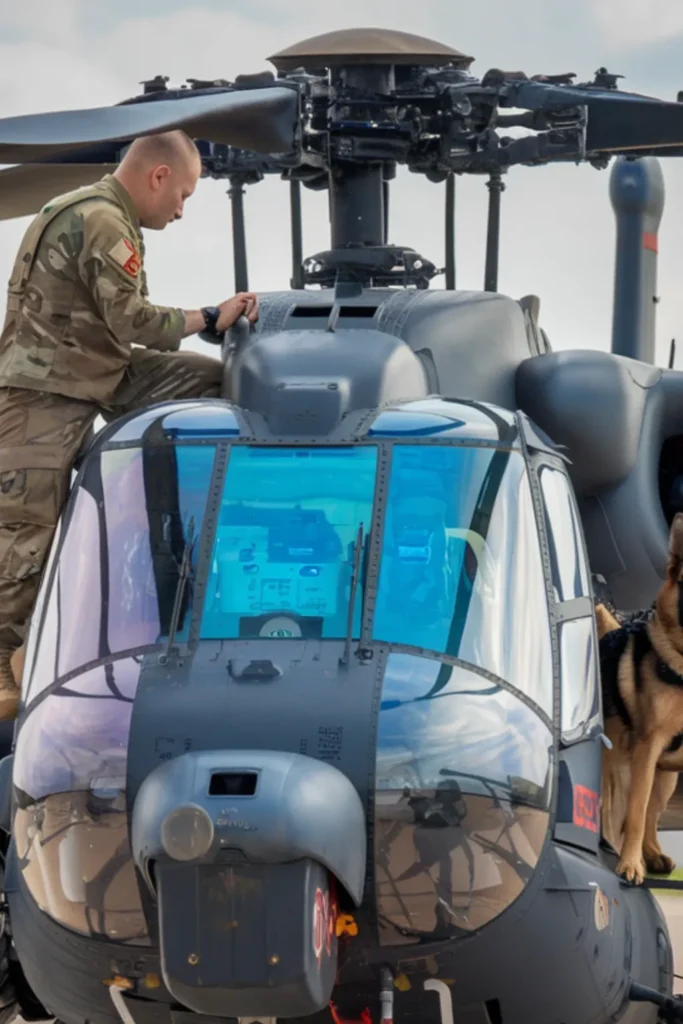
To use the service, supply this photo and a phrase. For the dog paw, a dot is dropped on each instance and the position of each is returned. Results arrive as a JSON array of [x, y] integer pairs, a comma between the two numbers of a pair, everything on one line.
[[658, 863], [632, 869]]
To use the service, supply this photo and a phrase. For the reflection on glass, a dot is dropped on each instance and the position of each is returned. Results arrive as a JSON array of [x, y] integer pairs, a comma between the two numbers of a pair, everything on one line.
[[462, 801], [77, 864], [37, 617], [118, 566], [133, 612], [570, 576], [436, 414], [579, 676], [441, 721], [284, 548], [71, 825], [461, 570], [78, 733], [177, 481]]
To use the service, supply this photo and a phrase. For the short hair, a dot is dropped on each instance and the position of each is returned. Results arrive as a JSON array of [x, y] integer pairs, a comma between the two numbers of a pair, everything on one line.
[[162, 148]]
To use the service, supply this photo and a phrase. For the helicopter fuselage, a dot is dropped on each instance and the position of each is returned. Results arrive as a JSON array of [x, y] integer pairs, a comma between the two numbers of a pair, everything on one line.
[[302, 699]]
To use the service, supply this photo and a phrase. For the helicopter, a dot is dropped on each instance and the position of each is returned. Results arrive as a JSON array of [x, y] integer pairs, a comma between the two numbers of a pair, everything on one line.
[[311, 724]]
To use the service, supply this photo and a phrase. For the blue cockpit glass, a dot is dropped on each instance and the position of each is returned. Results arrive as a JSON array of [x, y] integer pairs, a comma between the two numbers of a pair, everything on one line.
[[440, 501], [283, 554], [461, 572], [459, 568]]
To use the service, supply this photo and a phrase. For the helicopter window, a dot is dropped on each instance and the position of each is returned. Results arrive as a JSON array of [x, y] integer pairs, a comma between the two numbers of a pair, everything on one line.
[[285, 543], [570, 577], [461, 570], [34, 631], [114, 561], [73, 606], [79, 733], [70, 826], [463, 791], [438, 721], [579, 677]]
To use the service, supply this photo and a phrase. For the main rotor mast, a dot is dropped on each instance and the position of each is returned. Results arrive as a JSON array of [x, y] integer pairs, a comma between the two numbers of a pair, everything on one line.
[[362, 67]]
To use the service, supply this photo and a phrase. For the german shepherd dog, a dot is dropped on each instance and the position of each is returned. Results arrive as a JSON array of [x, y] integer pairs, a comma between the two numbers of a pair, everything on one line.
[[641, 663]]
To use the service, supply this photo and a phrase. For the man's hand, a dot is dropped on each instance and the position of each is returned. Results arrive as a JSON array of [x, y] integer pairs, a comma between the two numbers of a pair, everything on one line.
[[243, 304]]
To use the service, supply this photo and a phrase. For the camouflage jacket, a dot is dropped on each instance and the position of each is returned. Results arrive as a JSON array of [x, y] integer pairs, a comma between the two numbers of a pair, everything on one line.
[[78, 299]]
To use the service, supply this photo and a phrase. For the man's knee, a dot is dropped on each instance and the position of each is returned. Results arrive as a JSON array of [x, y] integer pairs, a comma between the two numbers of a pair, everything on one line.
[[199, 376], [169, 376]]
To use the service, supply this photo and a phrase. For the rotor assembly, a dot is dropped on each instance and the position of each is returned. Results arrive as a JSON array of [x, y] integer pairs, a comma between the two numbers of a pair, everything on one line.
[[341, 111]]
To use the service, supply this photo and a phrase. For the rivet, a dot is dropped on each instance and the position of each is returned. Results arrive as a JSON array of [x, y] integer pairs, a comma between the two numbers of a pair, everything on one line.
[[193, 959]]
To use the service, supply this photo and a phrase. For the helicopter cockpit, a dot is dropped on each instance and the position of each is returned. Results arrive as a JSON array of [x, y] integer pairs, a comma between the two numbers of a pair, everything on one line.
[[456, 534], [422, 544]]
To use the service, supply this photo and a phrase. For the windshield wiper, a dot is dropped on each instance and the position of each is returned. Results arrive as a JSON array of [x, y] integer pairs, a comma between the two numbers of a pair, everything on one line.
[[183, 577], [355, 575]]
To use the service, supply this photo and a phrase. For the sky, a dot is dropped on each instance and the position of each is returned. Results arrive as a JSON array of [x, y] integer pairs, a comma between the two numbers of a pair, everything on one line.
[[557, 225]]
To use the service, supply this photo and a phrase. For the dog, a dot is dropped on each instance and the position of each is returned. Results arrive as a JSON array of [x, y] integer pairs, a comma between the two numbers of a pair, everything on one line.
[[641, 667]]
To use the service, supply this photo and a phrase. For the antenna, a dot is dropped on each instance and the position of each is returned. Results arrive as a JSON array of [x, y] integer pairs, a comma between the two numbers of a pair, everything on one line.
[[450, 232], [637, 195], [239, 241], [297, 281], [496, 187]]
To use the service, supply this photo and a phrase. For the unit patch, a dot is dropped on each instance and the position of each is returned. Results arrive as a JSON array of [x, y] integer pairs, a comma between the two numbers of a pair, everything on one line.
[[125, 254]]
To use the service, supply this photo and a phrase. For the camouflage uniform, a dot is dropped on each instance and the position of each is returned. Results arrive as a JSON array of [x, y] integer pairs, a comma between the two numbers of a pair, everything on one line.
[[77, 303]]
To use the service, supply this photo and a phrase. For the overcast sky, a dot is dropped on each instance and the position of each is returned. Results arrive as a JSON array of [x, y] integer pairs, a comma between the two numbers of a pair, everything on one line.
[[557, 236]]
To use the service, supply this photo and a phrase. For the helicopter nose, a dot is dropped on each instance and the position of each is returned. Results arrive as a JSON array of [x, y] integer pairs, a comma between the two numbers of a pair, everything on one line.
[[288, 827]]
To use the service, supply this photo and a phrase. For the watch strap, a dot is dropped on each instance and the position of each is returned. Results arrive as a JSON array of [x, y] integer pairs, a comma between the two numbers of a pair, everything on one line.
[[211, 315]]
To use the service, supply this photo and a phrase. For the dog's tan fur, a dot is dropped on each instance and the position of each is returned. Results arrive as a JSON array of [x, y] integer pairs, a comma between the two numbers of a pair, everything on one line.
[[639, 775]]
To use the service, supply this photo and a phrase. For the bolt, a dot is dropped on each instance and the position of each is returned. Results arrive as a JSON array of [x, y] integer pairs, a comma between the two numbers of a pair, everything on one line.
[[193, 959]]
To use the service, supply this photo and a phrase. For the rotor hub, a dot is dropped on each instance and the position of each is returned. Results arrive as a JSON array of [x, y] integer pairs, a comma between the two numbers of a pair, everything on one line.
[[367, 46]]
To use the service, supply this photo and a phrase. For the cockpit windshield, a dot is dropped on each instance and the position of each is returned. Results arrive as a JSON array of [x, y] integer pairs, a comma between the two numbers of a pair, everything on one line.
[[443, 538], [285, 545]]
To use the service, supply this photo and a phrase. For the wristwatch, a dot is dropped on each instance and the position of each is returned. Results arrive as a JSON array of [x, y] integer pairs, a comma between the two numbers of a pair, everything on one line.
[[211, 315]]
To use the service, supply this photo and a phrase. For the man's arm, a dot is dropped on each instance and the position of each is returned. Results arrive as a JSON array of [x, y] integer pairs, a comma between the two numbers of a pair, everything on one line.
[[110, 266], [194, 322]]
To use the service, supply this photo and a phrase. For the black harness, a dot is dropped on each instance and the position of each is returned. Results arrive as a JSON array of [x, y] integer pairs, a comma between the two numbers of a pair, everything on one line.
[[612, 647]]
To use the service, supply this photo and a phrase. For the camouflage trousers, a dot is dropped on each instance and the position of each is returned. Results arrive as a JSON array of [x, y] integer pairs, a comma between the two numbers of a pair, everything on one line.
[[41, 435]]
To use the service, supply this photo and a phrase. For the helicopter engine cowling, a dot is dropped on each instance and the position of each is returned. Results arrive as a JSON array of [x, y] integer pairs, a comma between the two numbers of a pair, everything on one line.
[[309, 380], [259, 840]]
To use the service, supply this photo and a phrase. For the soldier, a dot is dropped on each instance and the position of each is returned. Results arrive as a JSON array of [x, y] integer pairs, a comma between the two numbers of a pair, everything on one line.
[[77, 304]]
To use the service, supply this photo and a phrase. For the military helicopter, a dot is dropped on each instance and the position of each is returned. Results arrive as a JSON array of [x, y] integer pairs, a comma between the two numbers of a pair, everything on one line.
[[311, 725]]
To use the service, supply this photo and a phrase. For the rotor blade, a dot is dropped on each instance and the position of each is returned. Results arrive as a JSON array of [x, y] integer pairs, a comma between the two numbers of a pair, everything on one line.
[[259, 119], [24, 190], [618, 122], [629, 122]]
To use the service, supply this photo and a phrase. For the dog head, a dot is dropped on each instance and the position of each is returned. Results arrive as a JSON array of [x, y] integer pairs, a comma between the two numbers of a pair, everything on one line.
[[670, 598]]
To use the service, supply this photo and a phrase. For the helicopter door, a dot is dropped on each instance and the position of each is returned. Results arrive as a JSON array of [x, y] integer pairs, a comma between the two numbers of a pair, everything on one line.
[[578, 818], [579, 690]]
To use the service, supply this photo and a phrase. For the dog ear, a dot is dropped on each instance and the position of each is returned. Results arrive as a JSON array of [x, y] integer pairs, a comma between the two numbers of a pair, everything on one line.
[[676, 546]]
